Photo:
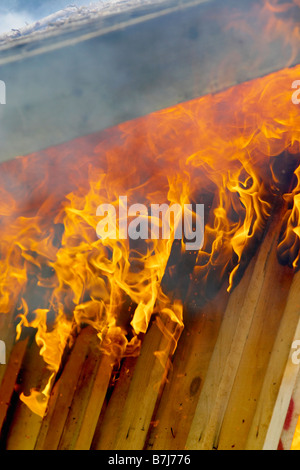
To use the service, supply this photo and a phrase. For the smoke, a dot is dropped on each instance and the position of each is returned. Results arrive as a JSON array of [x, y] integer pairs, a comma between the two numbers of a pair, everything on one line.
[[16, 14], [14, 20]]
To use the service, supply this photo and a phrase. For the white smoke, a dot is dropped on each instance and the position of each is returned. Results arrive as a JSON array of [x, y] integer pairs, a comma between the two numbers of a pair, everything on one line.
[[17, 14], [14, 20], [32, 15]]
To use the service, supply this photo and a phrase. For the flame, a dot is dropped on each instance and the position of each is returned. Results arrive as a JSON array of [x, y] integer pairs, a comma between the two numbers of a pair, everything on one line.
[[58, 275], [296, 439], [284, 24], [278, 19]]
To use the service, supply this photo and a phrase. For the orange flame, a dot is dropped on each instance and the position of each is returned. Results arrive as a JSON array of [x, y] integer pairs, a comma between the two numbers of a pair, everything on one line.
[[279, 19]]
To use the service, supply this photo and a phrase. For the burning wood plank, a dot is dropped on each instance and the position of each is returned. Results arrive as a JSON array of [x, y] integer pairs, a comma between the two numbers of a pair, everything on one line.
[[140, 392], [25, 423], [10, 377], [87, 402], [111, 415], [62, 394], [235, 356], [137, 392], [258, 347], [146, 386], [187, 375], [279, 379]]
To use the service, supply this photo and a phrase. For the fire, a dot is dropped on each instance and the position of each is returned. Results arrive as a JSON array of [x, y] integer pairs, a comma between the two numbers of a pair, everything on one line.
[[57, 275], [279, 19], [296, 440], [284, 24]]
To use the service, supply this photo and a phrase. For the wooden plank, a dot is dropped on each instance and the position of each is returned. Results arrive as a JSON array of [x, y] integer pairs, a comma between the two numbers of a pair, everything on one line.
[[174, 415], [205, 409], [109, 422], [25, 424], [288, 385], [98, 75], [9, 380], [62, 394], [146, 385], [87, 401], [241, 315], [280, 365], [174, 284], [265, 317]]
